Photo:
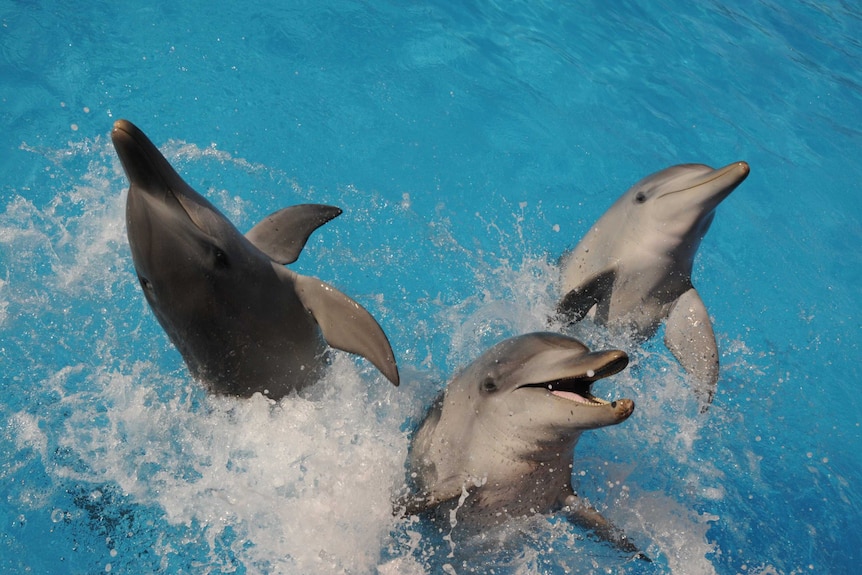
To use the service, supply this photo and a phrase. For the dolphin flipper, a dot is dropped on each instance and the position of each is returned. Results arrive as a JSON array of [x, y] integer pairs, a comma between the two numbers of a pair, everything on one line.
[[689, 336], [581, 513], [346, 325], [579, 301], [282, 234]]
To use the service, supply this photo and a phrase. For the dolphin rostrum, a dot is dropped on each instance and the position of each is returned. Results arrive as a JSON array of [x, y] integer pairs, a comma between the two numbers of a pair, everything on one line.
[[499, 442], [242, 321], [632, 269]]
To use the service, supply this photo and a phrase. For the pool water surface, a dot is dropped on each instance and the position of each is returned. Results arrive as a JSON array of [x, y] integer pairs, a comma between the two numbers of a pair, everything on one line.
[[469, 145]]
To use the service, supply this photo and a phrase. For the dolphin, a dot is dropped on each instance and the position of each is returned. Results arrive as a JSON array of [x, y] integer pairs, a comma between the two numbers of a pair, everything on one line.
[[499, 442], [632, 270], [242, 321]]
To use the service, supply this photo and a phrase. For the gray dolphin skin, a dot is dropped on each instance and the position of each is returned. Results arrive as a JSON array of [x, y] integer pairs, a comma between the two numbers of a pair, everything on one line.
[[500, 441], [242, 321], [632, 270]]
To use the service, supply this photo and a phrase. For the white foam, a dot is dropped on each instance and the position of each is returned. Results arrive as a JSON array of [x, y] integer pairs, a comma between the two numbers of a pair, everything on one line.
[[305, 484]]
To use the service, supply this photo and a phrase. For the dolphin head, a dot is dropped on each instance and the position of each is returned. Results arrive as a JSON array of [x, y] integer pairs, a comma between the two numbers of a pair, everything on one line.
[[179, 241], [500, 443], [534, 391], [681, 200]]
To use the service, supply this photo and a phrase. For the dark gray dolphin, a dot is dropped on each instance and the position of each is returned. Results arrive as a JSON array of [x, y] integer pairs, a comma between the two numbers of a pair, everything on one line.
[[632, 270], [242, 321], [500, 441]]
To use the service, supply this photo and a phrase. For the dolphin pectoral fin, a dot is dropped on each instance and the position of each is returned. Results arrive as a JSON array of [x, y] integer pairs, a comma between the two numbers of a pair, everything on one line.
[[579, 301], [689, 337], [346, 325], [282, 234], [581, 513]]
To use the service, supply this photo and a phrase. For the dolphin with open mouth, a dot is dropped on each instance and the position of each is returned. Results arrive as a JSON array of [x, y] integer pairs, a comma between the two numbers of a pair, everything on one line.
[[499, 442]]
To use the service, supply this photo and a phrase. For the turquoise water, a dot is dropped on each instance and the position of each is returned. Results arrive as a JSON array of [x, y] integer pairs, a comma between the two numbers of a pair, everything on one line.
[[469, 145]]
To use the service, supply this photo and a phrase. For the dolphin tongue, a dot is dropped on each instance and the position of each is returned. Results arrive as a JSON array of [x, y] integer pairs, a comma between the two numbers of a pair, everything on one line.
[[572, 396], [578, 390]]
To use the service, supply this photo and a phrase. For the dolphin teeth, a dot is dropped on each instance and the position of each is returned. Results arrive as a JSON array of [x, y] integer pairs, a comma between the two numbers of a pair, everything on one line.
[[575, 389], [578, 398]]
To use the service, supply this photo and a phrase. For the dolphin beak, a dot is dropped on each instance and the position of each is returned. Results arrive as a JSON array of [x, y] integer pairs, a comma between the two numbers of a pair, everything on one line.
[[132, 145], [731, 175], [716, 184], [150, 173], [144, 165]]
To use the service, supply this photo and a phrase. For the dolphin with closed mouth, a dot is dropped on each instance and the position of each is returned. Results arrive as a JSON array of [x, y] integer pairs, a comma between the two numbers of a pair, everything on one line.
[[499, 442], [632, 270], [243, 322]]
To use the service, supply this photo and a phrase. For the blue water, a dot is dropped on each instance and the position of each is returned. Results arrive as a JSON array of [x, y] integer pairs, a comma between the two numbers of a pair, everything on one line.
[[469, 145]]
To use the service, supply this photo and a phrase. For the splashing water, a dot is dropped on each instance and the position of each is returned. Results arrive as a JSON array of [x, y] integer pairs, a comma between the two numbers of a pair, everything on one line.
[[135, 461]]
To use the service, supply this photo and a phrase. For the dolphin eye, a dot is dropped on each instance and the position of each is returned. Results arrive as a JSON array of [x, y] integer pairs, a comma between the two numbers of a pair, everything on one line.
[[489, 385], [640, 197], [145, 283], [220, 257]]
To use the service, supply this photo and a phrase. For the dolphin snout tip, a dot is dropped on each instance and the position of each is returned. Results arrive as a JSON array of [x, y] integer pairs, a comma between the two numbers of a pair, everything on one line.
[[730, 176], [121, 126], [624, 408]]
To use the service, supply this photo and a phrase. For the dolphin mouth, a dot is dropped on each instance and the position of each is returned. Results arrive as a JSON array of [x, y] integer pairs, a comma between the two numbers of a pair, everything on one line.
[[577, 387], [722, 179]]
